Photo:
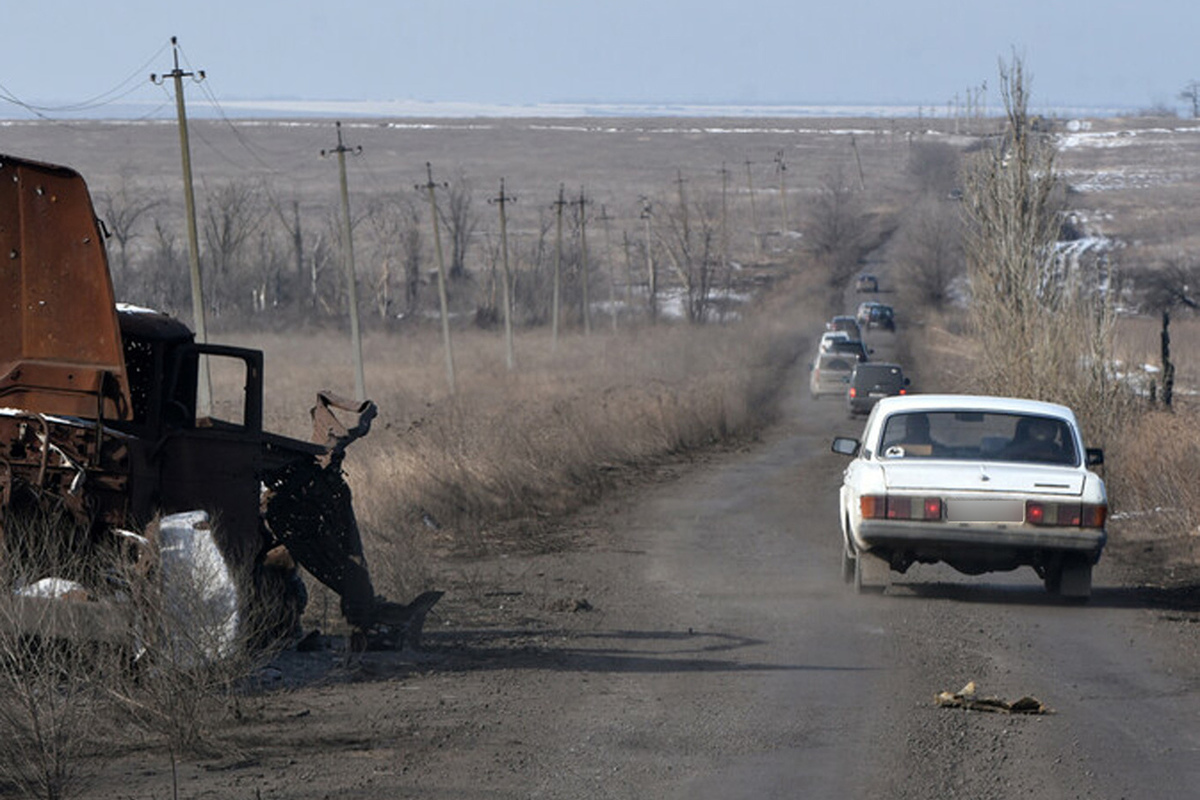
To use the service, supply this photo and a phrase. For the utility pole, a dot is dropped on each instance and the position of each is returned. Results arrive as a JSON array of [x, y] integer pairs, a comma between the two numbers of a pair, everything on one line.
[[862, 183], [558, 245], [502, 200], [612, 271], [781, 168], [651, 272], [360, 383], [724, 214], [442, 299], [753, 212], [204, 381], [628, 245], [725, 235], [587, 310], [683, 210]]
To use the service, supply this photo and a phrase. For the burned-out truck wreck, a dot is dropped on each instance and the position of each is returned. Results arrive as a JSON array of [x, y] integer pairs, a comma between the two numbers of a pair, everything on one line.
[[99, 431]]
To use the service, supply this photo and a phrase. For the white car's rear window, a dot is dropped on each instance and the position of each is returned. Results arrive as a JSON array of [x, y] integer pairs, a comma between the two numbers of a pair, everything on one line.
[[979, 436]]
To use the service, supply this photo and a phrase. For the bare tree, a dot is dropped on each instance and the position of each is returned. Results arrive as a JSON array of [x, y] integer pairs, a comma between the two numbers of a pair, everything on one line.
[[934, 166], [161, 278], [232, 215], [1174, 281], [838, 229], [460, 221], [1044, 331], [1191, 93], [411, 243], [295, 233], [1012, 224], [690, 239], [123, 211], [395, 240], [929, 252]]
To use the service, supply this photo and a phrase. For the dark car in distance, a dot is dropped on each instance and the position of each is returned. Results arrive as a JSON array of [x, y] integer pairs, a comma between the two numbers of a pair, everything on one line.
[[870, 381], [850, 347], [866, 283], [877, 315], [847, 323]]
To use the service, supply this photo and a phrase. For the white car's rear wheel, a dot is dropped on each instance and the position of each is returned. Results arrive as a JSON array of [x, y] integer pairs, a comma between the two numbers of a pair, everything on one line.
[[1071, 579], [1076, 580]]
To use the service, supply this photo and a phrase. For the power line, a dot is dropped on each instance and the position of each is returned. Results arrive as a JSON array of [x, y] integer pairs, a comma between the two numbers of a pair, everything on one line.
[[126, 87]]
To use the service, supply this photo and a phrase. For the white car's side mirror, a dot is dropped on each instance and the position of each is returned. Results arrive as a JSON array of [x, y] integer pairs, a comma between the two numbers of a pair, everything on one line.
[[845, 446]]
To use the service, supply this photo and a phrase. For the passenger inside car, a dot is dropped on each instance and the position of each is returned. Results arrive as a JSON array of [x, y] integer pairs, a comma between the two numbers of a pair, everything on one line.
[[1039, 439], [908, 435]]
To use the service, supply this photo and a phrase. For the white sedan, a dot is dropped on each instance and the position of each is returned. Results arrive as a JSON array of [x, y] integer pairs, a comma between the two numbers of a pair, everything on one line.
[[981, 483]]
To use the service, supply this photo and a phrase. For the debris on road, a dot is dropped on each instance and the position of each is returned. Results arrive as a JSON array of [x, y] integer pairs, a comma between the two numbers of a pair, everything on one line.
[[968, 698]]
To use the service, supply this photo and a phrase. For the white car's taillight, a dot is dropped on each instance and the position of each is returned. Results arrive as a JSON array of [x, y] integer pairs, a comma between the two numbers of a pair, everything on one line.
[[876, 506], [1066, 515]]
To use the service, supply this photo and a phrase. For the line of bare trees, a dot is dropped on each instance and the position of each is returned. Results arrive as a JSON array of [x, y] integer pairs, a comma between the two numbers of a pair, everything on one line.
[[269, 260]]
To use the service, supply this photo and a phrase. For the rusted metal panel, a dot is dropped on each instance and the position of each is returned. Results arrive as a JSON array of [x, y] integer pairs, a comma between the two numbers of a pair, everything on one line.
[[59, 337]]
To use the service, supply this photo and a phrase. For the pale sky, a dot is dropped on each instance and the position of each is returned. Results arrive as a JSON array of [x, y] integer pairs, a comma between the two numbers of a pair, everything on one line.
[[1101, 54]]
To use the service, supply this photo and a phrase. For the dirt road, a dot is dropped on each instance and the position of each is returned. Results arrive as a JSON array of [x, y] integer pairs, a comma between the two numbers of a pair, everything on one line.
[[700, 644]]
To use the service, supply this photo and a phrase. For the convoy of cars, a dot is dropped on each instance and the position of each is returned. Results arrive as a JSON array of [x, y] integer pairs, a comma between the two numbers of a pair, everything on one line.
[[842, 365], [982, 484]]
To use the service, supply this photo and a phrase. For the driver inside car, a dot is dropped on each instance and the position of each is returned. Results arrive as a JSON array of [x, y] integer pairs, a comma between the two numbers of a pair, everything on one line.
[[1036, 439]]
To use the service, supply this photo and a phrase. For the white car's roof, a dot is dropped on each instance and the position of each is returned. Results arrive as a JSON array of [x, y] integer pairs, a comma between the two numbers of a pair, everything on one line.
[[969, 402]]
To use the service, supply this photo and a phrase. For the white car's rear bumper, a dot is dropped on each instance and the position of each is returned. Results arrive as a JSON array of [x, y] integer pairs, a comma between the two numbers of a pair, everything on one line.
[[1027, 544]]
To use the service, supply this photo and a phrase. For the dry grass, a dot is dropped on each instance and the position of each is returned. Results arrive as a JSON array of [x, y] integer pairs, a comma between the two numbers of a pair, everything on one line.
[[511, 450], [126, 660], [1152, 471]]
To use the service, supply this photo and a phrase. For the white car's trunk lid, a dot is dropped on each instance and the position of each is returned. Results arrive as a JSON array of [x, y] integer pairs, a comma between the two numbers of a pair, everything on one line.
[[949, 476]]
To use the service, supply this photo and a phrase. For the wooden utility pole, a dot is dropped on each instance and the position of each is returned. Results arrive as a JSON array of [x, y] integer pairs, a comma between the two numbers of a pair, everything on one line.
[[558, 245], [781, 168], [204, 379], [753, 212], [862, 183], [725, 235], [502, 200], [441, 262], [724, 215], [628, 269], [651, 272], [360, 383], [581, 203]]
